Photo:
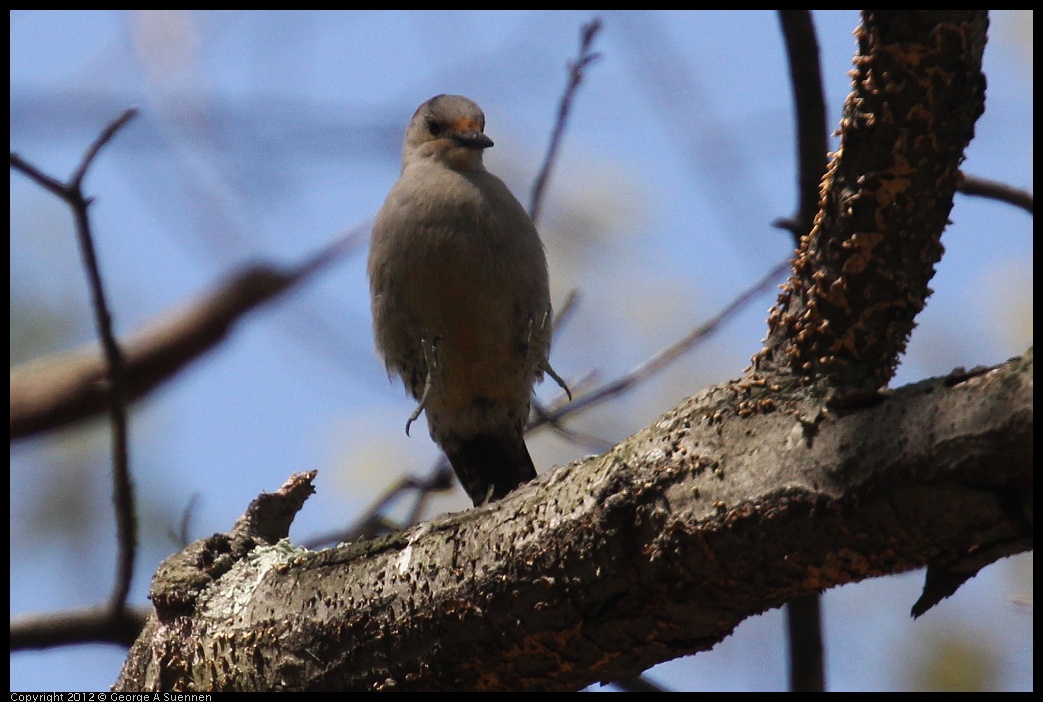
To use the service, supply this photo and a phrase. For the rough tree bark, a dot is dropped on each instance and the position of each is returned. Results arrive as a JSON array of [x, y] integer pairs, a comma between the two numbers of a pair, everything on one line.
[[802, 475]]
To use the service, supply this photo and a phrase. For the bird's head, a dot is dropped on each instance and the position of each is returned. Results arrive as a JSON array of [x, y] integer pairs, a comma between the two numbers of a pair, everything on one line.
[[449, 129]]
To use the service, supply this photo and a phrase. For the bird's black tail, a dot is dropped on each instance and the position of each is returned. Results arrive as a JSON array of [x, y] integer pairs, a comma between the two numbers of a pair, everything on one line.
[[490, 466]]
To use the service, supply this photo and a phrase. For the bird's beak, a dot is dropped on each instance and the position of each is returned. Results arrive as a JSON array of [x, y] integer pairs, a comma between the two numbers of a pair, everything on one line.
[[472, 139]]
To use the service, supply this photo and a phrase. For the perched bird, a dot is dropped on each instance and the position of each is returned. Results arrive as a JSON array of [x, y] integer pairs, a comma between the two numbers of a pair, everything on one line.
[[460, 298]]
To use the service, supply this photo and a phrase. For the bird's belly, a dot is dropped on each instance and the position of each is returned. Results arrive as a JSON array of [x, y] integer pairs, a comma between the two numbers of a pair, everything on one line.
[[479, 344]]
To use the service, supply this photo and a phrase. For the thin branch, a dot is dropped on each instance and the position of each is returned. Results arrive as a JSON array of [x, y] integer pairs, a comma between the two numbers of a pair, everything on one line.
[[440, 479], [982, 187], [93, 625], [586, 382], [638, 684], [373, 522], [182, 537], [103, 139], [565, 311], [58, 390], [810, 106], [541, 417], [667, 355], [123, 490], [589, 442], [576, 69], [45, 181], [804, 628], [348, 242]]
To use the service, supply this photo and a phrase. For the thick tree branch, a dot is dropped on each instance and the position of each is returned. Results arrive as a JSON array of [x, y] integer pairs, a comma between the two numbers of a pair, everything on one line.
[[601, 568], [861, 275]]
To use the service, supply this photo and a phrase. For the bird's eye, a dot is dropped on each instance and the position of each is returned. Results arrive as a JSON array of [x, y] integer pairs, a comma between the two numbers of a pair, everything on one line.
[[434, 127]]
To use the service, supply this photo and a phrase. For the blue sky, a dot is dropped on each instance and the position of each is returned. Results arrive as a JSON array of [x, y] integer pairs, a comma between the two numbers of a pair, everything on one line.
[[263, 135]]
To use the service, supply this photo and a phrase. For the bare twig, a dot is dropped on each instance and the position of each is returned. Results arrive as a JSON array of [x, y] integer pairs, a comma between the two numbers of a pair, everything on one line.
[[440, 479], [585, 382], [566, 309], [373, 522], [638, 684], [349, 241], [982, 187], [541, 417], [45, 181], [123, 490], [667, 355], [103, 138], [593, 444], [576, 69], [810, 105], [804, 628], [182, 537]]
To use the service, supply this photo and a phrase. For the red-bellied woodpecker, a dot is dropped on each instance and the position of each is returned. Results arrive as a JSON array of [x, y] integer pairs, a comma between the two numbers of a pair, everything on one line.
[[461, 305]]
